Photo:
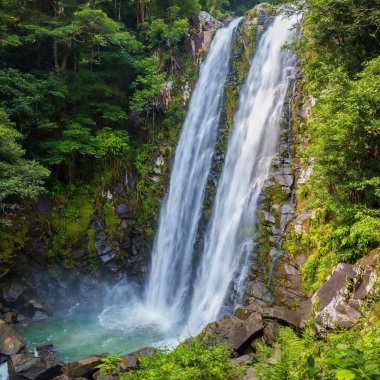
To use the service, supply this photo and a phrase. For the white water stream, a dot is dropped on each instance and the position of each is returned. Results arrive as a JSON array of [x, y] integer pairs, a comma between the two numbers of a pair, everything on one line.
[[168, 283], [4, 371], [230, 237]]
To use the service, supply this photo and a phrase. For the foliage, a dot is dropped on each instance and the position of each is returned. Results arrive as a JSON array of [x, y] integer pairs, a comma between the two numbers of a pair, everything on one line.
[[292, 358], [147, 85], [192, 359], [19, 178], [13, 237], [341, 65], [161, 33], [354, 360], [108, 363], [343, 356]]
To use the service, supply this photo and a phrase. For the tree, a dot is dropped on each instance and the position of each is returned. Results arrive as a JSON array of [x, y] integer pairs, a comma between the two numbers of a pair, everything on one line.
[[20, 179]]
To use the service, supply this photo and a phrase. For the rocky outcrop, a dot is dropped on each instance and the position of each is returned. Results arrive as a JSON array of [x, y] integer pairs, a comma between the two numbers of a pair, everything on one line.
[[199, 45], [281, 314], [29, 367], [131, 361], [85, 367], [339, 300], [200, 42], [10, 342], [234, 331], [19, 302], [207, 22]]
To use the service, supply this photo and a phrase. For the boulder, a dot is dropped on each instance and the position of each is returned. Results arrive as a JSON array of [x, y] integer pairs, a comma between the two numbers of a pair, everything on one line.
[[207, 22], [29, 367], [334, 283], [243, 360], [47, 352], [233, 331], [11, 293], [300, 220], [85, 367], [131, 360], [37, 310], [279, 313], [339, 300], [270, 333], [10, 342], [128, 362], [338, 313]]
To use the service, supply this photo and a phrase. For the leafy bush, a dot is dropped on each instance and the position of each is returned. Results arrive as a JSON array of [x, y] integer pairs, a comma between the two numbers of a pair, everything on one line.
[[360, 360], [109, 363], [350, 355], [191, 360], [291, 358]]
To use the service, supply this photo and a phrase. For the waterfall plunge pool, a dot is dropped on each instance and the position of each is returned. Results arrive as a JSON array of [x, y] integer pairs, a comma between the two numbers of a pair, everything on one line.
[[87, 330]]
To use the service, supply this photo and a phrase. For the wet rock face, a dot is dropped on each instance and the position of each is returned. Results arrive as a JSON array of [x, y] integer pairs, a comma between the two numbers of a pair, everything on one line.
[[28, 367], [25, 301], [21, 302], [339, 300], [12, 292], [234, 331], [10, 342]]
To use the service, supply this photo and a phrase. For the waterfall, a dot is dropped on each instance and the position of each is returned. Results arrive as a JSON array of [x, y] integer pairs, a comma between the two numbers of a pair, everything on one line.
[[168, 283], [229, 241], [4, 371]]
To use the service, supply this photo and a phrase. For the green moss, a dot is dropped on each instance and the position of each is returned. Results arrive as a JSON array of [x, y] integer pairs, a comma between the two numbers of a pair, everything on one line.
[[275, 195], [12, 238], [68, 226], [110, 219], [91, 248], [295, 244]]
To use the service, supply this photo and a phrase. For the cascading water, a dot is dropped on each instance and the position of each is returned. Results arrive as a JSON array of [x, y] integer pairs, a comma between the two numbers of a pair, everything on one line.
[[169, 279], [4, 371], [229, 240], [132, 321], [159, 312]]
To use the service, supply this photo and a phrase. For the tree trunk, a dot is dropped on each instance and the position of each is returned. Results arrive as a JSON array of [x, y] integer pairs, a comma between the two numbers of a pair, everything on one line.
[[142, 11], [55, 50]]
